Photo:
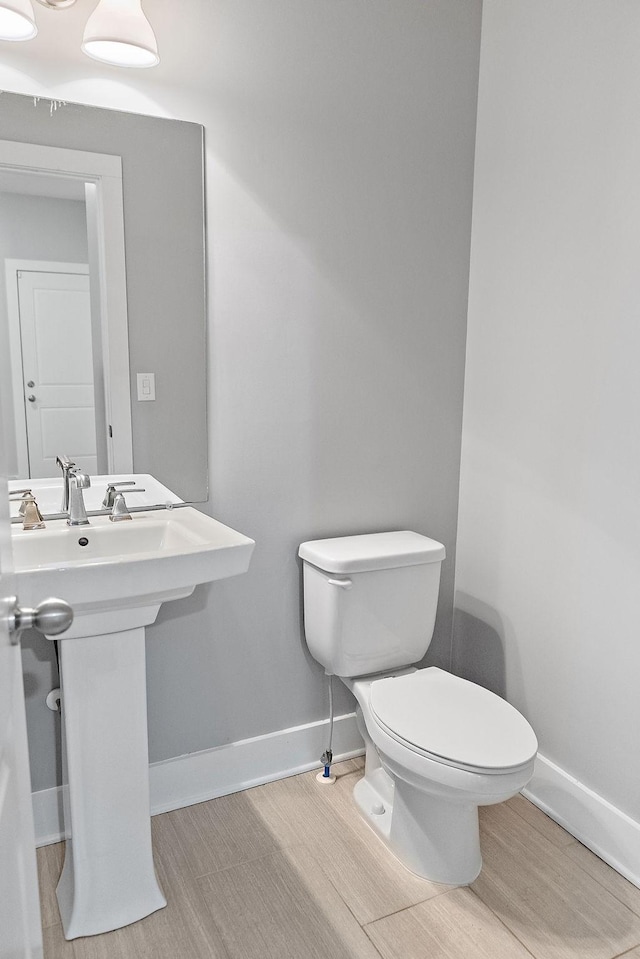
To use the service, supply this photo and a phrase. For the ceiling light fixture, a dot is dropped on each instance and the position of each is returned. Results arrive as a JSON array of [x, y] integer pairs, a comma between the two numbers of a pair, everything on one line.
[[117, 31], [57, 4], [17, 21]]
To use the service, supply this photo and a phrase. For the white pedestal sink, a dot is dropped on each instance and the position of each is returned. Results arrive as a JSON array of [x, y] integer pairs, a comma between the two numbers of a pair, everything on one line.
[[115, 576]]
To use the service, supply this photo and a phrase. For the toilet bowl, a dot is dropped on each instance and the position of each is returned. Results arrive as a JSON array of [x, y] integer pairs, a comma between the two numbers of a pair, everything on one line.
[[437, 746]]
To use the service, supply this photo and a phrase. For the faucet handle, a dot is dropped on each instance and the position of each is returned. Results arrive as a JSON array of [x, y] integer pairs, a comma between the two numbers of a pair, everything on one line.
[[110, 494], [22, 494], [19, 494], [119, 511], [31, 515], [79, 479]]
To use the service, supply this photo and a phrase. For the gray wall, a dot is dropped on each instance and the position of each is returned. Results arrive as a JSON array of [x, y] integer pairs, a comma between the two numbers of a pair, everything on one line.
[[340, 144], [548, 548], [41, 228], [339, 175]]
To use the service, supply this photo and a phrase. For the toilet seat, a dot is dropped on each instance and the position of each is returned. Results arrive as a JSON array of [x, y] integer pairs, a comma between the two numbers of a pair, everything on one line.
[[452, 721]]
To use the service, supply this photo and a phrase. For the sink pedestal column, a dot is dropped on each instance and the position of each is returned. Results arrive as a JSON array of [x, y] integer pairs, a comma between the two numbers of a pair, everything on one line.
[[108, 878]]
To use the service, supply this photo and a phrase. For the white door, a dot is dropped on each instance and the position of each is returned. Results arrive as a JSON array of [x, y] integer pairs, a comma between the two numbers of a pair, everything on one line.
[[57, 369], [20, 935]]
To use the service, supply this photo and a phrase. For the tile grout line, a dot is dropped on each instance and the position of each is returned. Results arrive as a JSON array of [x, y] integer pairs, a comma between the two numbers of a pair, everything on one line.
[[370, 922], [539, 831], [280, 846], [444, 891], [601, 884], [574, 864], [204, 904], [327, 879], [245, 862], [397, 912], [503, 924], [370, 940], [562, 848]]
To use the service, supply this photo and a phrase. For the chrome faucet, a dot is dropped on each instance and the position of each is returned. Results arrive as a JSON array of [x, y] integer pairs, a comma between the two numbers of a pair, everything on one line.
[[66, 465], [77, 483]]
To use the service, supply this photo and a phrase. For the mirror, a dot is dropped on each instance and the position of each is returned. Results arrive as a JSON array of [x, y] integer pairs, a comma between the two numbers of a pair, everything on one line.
[[150, 321]]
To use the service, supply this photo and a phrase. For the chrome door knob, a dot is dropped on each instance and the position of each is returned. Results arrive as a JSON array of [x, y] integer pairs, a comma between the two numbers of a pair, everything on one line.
[[51, 616], [31, 398]]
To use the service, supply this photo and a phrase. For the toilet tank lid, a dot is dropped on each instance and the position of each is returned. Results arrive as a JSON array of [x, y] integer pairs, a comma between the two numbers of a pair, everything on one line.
[[357, 554]]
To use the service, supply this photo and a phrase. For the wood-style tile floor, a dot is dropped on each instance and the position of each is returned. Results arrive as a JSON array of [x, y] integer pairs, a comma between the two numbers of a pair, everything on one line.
[[290, 871]]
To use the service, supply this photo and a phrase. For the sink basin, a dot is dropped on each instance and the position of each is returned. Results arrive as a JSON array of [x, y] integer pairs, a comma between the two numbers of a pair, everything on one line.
[[106, 567], [115, 576], [125, 541]]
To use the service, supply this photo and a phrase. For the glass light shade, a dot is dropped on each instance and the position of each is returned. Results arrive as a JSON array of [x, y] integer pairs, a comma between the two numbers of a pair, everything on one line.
[[17, 20], [57, 4], [118, 32]]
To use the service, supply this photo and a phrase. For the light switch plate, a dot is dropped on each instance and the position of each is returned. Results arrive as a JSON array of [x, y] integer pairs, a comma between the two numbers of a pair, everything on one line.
[[146, 387]]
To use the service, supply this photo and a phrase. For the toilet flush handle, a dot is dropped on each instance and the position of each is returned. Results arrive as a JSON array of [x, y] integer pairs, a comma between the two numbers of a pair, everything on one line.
[[342, 583]]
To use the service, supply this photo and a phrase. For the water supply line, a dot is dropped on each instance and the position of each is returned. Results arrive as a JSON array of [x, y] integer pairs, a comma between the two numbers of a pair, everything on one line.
[[326, 759]]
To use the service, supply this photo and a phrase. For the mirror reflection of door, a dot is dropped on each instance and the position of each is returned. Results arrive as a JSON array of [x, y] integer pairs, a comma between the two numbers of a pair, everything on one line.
[[44, 243], [57, 369]]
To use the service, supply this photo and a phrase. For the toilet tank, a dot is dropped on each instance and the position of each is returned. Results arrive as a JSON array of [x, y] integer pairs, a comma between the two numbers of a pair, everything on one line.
[[370, 601]]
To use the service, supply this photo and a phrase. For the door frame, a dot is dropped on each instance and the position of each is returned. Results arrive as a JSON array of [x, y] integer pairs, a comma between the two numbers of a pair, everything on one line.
[[20, 871], [12, 267], [102, 176]]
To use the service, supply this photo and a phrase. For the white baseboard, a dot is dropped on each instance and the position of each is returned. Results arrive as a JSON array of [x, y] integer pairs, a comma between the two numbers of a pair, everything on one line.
[[197, 777], [604, 828], [48, 817]]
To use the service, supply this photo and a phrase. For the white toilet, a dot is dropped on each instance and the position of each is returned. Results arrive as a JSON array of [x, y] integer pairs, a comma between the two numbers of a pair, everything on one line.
[[437, 746]]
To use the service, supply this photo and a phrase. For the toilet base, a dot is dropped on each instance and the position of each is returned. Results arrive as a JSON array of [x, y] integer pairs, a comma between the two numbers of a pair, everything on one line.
[[434, 838]]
